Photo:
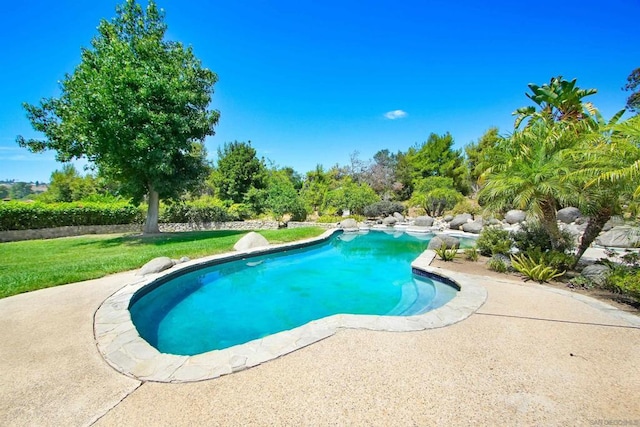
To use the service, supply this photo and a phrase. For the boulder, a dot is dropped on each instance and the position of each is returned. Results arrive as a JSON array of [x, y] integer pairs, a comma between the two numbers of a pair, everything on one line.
[[458, 220], [437, 242], [389, 221], [398, 216], [613, 222], [568, 215], [515, 216], [448, 218], [348, 224], [156, 265], [596, 273], [472, 227], [494, 221], [250, 241], [423, 221], [622, 236]]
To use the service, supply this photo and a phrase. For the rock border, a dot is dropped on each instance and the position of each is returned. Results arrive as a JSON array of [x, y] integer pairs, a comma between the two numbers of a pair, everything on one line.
[[122, 347]]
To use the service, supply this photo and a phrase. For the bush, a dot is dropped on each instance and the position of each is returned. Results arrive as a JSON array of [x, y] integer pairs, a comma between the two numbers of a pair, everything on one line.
[[446, 254], [26, 216], [493, 241], [195, 213], [383, 208], [534, 269], [466, 206], [497, 264], [471, 254], [626, 281], [533, 235]]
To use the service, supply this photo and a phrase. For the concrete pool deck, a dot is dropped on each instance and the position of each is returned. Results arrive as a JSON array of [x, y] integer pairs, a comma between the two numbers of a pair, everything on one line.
[[531, 355]]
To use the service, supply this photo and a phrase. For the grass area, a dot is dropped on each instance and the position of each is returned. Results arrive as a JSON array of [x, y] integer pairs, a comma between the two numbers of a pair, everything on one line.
[[36, 264]]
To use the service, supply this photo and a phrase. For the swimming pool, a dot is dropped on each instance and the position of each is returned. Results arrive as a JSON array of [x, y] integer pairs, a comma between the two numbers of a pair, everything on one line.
[[222, 305]]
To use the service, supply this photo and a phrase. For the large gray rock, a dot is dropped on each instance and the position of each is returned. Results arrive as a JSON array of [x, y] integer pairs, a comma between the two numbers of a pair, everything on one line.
[[515, 216], [348, 224], [423, 221], [568, 215], [250, 241], [156, 265], [472, 227], [388, 221], [398, 216], [439, 240], [458, 220], [614, 221], [596, 273], [623, 236]]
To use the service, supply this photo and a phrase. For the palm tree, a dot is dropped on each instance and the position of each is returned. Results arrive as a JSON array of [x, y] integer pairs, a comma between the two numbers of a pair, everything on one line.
[[529, 171], [560, 100]]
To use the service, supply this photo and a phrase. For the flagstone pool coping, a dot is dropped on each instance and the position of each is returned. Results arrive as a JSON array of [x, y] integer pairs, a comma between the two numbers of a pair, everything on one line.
[[122, 347]]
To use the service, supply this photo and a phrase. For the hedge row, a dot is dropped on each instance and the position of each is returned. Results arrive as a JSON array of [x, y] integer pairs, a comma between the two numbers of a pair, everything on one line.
[[195, 213], [26, 216]]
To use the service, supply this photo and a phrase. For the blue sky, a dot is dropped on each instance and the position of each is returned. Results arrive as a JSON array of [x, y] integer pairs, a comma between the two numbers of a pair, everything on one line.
[[310, 82]]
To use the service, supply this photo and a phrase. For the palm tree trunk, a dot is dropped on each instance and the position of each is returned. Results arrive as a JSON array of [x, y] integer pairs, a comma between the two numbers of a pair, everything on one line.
[[594, 227], [550, 223], [151, 225]]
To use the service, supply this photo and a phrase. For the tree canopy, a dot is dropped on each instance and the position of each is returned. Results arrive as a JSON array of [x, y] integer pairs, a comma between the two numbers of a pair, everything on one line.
[[136, 106]]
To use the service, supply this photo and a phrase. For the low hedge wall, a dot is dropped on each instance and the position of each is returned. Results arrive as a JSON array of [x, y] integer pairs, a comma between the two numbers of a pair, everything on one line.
[[28, 216]]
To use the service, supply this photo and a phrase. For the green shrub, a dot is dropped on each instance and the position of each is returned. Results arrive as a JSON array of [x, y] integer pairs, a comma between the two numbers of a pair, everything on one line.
[[497, 264], [466, 206], [533, 235], [25, 216], [534, 269], [493, 241], [626, 281], [194, 213], [383, 208], [471, 254], [446, 254]]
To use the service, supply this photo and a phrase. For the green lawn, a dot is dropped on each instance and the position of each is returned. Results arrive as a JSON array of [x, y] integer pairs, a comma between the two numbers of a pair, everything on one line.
[[36, 264]]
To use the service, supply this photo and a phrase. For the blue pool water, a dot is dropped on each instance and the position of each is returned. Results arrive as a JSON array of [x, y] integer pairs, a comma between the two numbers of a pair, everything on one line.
[[235, 302]]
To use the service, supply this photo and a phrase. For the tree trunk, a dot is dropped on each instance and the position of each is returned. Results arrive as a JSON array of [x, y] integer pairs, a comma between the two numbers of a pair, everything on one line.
[[594, 227], [550, 223], [151, 225]]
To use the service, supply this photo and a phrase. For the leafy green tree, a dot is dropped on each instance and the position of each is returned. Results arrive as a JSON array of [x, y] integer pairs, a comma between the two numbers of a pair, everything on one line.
[[67, 186], [558, 100], [136, 107], [237, 171], [283, 198], [633, 85], [478, 155], [315, 188], [351, 196], [4, 191], [435, 194], [20, 190], [436, 157]]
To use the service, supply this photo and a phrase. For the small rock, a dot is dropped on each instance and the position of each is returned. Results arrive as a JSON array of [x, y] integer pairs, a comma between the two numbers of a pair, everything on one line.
[[185, 259], [388, 221], [156, 265], [515, 216], [437, 242], [568, 215], [596, 273], [398, 216], [472, 227], [348, 224], [250, 241], [423, 221], [448, 218], [459, 220]]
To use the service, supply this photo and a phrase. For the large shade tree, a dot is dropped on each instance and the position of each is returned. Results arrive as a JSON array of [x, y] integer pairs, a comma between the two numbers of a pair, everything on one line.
[[137, 107]]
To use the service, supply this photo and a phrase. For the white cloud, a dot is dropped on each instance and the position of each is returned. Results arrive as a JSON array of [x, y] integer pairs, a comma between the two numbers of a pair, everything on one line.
[[395, 114]]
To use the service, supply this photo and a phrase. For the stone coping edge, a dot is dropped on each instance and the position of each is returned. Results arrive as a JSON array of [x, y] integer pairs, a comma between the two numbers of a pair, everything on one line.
[[122, 347]]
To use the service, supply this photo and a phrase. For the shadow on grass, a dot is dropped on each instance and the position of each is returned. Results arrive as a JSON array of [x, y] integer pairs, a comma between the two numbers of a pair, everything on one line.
[[170, 238]]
